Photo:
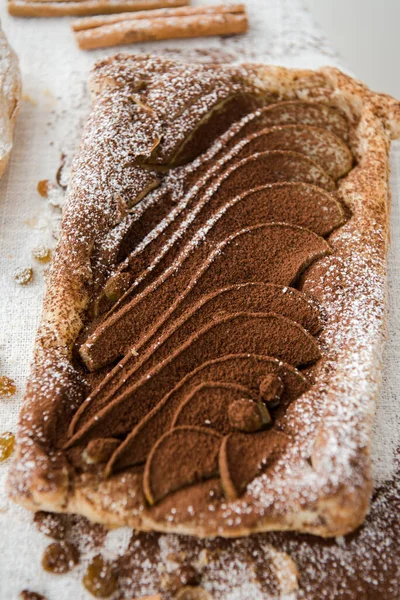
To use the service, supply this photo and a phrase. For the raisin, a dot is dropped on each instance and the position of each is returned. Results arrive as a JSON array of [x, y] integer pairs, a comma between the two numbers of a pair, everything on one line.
[[100, 578]]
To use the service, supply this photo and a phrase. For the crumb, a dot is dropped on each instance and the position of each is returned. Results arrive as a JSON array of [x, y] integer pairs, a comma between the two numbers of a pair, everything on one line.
[[41, 253], [7, 386], [23, 275], [43, 187]]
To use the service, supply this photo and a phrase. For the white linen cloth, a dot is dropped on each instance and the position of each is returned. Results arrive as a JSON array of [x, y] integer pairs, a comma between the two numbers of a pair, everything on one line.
[[55, 105]]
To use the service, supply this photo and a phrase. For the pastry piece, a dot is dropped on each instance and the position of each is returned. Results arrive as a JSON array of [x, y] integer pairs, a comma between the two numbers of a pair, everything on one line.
[[219, 333], [62, 8], [10, 99]]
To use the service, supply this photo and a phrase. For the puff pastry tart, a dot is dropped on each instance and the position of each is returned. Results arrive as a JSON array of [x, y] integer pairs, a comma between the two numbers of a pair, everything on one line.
[[10, 99], [210, 349]]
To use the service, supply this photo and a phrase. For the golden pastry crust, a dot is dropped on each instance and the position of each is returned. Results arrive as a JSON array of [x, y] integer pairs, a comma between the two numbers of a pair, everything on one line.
[[10, 99], [322, 484]]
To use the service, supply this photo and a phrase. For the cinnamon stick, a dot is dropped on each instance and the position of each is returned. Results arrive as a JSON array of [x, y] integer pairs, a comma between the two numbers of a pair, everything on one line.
[[196, 22], [61, 8], [184, 11]]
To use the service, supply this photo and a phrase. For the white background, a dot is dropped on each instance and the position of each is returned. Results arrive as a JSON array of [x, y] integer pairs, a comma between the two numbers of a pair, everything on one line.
[[367, 36]]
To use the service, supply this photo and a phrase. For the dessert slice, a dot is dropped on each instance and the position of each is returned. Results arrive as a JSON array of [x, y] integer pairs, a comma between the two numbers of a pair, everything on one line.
[[209, 338]]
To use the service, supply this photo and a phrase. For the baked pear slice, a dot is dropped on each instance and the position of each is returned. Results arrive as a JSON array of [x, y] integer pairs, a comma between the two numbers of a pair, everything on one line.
[[181, 457], [221, 154], [213, 124], [208, 405], [118, 412], [294, 112], [277, 165], [247, 370], [246, 297], [275, 253], [320, 145], [299, 204], [243, 456], [251, 297]]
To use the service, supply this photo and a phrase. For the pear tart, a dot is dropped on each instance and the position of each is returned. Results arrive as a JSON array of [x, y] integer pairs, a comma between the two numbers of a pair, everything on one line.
[[210, 349]]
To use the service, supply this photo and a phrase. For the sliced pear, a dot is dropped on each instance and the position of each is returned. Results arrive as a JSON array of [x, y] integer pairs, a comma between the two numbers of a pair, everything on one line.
[[203, 122], [273, 253], [283, 252], [198, 118], [274, 166], [293, 112], [323, 147], [181, 457], [222, 212], [213, 124], [243, 456], [246, 370], [284, 113], [250, 369], [295, 203], [236, 180], [254, 333], [208, 404], [252, 297]]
